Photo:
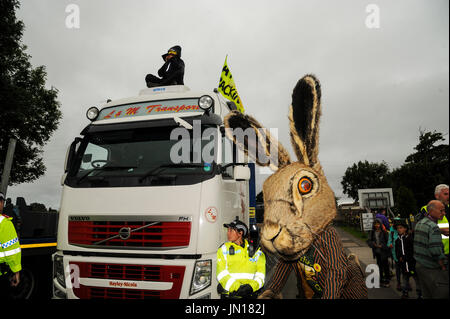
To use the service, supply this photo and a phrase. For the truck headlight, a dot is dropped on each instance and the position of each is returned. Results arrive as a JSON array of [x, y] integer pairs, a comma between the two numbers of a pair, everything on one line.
[[205, 102], [92, 113], [202, 276], [58, 270]]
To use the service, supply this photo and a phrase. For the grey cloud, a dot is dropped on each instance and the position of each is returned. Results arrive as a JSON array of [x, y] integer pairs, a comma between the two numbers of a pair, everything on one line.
[[379, 85]]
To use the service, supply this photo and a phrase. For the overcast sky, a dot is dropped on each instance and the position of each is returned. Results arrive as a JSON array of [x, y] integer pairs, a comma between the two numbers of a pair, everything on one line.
[[379, 85]]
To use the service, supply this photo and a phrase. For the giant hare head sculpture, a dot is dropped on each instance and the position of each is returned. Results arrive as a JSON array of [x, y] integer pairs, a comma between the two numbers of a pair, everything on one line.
[[298, 202]]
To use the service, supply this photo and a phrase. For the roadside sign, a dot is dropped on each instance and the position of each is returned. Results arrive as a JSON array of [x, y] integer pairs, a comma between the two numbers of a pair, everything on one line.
[[375, 198], [366, 221]]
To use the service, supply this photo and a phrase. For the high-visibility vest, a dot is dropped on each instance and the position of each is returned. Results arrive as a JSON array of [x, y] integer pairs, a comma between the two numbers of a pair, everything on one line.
[[237, 268], [444, 224], [10, 252], [441, 224]]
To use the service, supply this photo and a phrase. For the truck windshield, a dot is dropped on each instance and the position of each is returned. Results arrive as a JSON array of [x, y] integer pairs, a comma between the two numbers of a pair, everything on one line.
[[144, 157]]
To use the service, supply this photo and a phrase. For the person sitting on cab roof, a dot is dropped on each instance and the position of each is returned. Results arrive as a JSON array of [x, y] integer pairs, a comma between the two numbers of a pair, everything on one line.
[[171, 73], [241, 269]]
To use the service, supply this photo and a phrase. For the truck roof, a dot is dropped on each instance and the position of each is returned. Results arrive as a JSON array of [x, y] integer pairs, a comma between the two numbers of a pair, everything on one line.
[[158, 103]]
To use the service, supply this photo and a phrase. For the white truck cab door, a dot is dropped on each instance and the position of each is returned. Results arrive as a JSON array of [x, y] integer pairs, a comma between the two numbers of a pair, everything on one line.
[[235, 199]]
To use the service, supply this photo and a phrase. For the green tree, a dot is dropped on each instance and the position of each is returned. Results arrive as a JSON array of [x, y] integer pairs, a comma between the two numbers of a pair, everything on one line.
[[405, 202], [365, 175], [38, 207], [423, 169], [29, 111]]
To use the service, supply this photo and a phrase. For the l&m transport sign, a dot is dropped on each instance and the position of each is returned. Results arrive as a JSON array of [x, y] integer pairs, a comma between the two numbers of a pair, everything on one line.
[[150, 108]]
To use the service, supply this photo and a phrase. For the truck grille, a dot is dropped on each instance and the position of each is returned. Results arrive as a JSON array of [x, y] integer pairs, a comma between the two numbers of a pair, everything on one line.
[[172, 274], [165, 234]]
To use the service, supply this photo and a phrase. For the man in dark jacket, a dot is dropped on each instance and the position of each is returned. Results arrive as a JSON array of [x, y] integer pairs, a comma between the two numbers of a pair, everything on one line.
[[171, 73]]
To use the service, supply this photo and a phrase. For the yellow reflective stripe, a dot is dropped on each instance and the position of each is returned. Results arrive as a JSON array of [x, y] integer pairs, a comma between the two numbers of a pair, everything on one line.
[[9, 252], [260, 282], [222, 274], [38, 245], [229, 283], [260, 275], [443, 225], [225, 252], [242, 275]]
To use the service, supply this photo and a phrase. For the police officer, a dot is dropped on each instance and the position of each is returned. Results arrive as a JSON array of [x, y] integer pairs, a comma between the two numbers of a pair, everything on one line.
[[241, 270], [10, 254], [171, 73]]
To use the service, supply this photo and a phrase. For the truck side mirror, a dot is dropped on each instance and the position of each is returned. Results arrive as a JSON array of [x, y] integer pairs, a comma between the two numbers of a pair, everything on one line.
[[70, 154], [241, 173]]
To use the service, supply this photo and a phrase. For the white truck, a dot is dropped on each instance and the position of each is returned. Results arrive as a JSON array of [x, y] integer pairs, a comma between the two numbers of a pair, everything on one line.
[[146, 191]]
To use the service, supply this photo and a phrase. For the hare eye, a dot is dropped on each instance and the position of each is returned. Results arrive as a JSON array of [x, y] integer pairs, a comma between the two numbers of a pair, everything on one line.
[[305, 185]]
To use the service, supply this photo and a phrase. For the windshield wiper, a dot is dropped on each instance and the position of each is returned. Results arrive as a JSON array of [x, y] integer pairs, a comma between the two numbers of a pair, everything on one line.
[[154, 171], [104, 168]]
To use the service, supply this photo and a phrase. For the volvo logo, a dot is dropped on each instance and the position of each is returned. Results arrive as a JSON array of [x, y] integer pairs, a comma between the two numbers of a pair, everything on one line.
[[125, 233]]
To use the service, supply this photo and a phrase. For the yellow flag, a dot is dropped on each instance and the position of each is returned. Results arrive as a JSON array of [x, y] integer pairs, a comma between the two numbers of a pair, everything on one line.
[[228, 89]]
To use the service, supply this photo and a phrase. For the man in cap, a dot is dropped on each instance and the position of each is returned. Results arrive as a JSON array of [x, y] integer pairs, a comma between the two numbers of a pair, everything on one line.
[[10, 254], [171, 73], [241, 270]]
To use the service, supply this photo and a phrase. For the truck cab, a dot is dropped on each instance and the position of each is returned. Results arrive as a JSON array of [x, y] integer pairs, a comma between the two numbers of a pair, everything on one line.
[[147, 188]]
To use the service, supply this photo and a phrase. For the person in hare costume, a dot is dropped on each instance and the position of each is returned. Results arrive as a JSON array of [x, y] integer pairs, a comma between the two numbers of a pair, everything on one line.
[[299, 205]]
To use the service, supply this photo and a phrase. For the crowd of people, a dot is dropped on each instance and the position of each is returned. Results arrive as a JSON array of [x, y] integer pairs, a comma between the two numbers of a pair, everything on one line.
[[417, 246]]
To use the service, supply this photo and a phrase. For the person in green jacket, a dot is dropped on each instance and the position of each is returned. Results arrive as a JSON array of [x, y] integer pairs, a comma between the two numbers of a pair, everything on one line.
[[441, 193], [431, 263], [10, 253]]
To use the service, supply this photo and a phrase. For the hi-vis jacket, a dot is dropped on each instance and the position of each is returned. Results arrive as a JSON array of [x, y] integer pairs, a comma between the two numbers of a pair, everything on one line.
[[9, 244], [235, 270], [444, 224]]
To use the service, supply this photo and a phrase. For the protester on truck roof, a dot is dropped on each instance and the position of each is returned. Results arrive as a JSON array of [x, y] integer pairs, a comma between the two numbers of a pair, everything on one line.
[[172, 71]]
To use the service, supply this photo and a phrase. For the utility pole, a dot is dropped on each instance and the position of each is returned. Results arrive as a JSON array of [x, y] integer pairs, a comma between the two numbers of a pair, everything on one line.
[[8, 164]]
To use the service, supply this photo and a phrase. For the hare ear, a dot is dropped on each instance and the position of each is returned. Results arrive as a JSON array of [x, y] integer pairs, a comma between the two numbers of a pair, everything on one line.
[[304, 115], [255, 140]]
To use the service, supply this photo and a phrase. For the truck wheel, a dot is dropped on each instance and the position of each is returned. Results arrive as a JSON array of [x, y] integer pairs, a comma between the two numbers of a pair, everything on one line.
[[26, 285]]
